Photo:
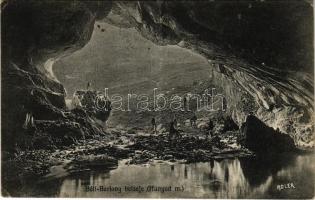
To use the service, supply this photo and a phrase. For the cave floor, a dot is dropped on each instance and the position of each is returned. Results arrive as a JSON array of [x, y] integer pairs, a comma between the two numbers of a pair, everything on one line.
[[137, 147]]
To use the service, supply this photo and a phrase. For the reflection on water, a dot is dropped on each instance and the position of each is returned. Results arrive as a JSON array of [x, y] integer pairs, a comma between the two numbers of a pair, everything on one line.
[[234, 178]]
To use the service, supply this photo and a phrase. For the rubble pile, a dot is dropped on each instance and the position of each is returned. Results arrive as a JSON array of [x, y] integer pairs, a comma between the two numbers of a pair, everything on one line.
[[187, 148]]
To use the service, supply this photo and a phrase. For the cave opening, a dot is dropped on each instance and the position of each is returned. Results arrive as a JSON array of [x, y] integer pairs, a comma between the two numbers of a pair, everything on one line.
[[122, 62]]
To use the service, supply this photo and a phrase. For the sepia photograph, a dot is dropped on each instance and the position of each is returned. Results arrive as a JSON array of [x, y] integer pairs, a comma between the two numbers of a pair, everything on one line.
[[196, 99]]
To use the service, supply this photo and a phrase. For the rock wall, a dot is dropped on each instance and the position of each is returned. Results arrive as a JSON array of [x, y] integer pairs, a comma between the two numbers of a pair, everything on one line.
[[34, 34]]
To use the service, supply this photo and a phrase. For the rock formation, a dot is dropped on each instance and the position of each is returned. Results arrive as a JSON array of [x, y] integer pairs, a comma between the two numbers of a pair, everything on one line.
[[94, 104], [34, 35], [265, 140]]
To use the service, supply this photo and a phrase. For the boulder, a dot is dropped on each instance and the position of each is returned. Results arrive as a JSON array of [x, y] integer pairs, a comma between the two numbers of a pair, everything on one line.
[[94, 103], [263, 139]]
